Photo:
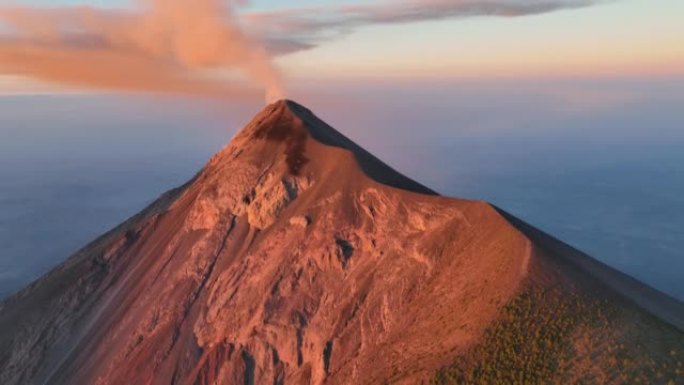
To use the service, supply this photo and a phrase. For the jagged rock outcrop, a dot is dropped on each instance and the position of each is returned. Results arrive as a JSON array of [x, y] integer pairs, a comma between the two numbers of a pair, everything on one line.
[[296, 257]]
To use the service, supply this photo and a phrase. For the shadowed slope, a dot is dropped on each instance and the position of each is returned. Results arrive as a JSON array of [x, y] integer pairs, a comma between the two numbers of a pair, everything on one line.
[[372, 166], [659, 304]]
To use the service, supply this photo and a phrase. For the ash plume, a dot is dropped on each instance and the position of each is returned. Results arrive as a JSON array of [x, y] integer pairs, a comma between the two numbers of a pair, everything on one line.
[[309, 27], [176, 46]]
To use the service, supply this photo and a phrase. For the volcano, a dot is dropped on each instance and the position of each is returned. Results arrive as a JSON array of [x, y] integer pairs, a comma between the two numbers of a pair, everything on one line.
[[296, 257]]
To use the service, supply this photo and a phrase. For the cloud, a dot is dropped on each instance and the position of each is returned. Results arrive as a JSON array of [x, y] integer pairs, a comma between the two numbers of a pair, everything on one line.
[[161, 45], [309, 27]]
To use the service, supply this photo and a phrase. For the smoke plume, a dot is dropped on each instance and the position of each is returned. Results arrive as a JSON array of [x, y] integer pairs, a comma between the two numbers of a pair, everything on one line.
[[178, 46], [309, 27]]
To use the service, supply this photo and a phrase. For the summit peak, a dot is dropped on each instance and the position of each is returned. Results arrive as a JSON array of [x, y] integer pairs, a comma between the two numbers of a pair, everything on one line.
[[300, 130]]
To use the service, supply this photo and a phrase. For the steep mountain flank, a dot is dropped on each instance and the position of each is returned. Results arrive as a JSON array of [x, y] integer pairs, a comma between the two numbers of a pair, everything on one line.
[[296, 257]]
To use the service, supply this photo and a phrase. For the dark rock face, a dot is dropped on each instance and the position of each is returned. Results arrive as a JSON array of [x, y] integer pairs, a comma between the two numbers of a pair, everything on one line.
[[293, 257]]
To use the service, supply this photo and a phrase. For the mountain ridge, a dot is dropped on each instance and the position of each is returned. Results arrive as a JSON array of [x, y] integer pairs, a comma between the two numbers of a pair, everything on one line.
[[660, 304]]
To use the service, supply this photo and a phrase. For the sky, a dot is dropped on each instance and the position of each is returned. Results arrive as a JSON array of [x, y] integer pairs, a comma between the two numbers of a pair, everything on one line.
[[384, 39], [616, 38]]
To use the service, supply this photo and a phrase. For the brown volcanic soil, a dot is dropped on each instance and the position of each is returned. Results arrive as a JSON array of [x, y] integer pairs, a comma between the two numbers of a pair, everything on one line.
[[296, 257]]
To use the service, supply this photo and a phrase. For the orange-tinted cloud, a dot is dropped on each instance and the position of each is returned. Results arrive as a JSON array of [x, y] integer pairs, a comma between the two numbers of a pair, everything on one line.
[[162, 45]]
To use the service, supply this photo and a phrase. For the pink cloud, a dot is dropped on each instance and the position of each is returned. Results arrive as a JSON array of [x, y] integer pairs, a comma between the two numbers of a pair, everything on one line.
[[159, 46]]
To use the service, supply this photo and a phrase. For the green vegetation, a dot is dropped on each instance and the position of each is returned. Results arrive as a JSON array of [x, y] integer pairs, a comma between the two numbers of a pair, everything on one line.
[[553, 337], [525, 346]]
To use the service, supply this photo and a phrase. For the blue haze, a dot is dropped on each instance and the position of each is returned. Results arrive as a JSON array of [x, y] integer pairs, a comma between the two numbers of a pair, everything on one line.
[[597, 163]]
